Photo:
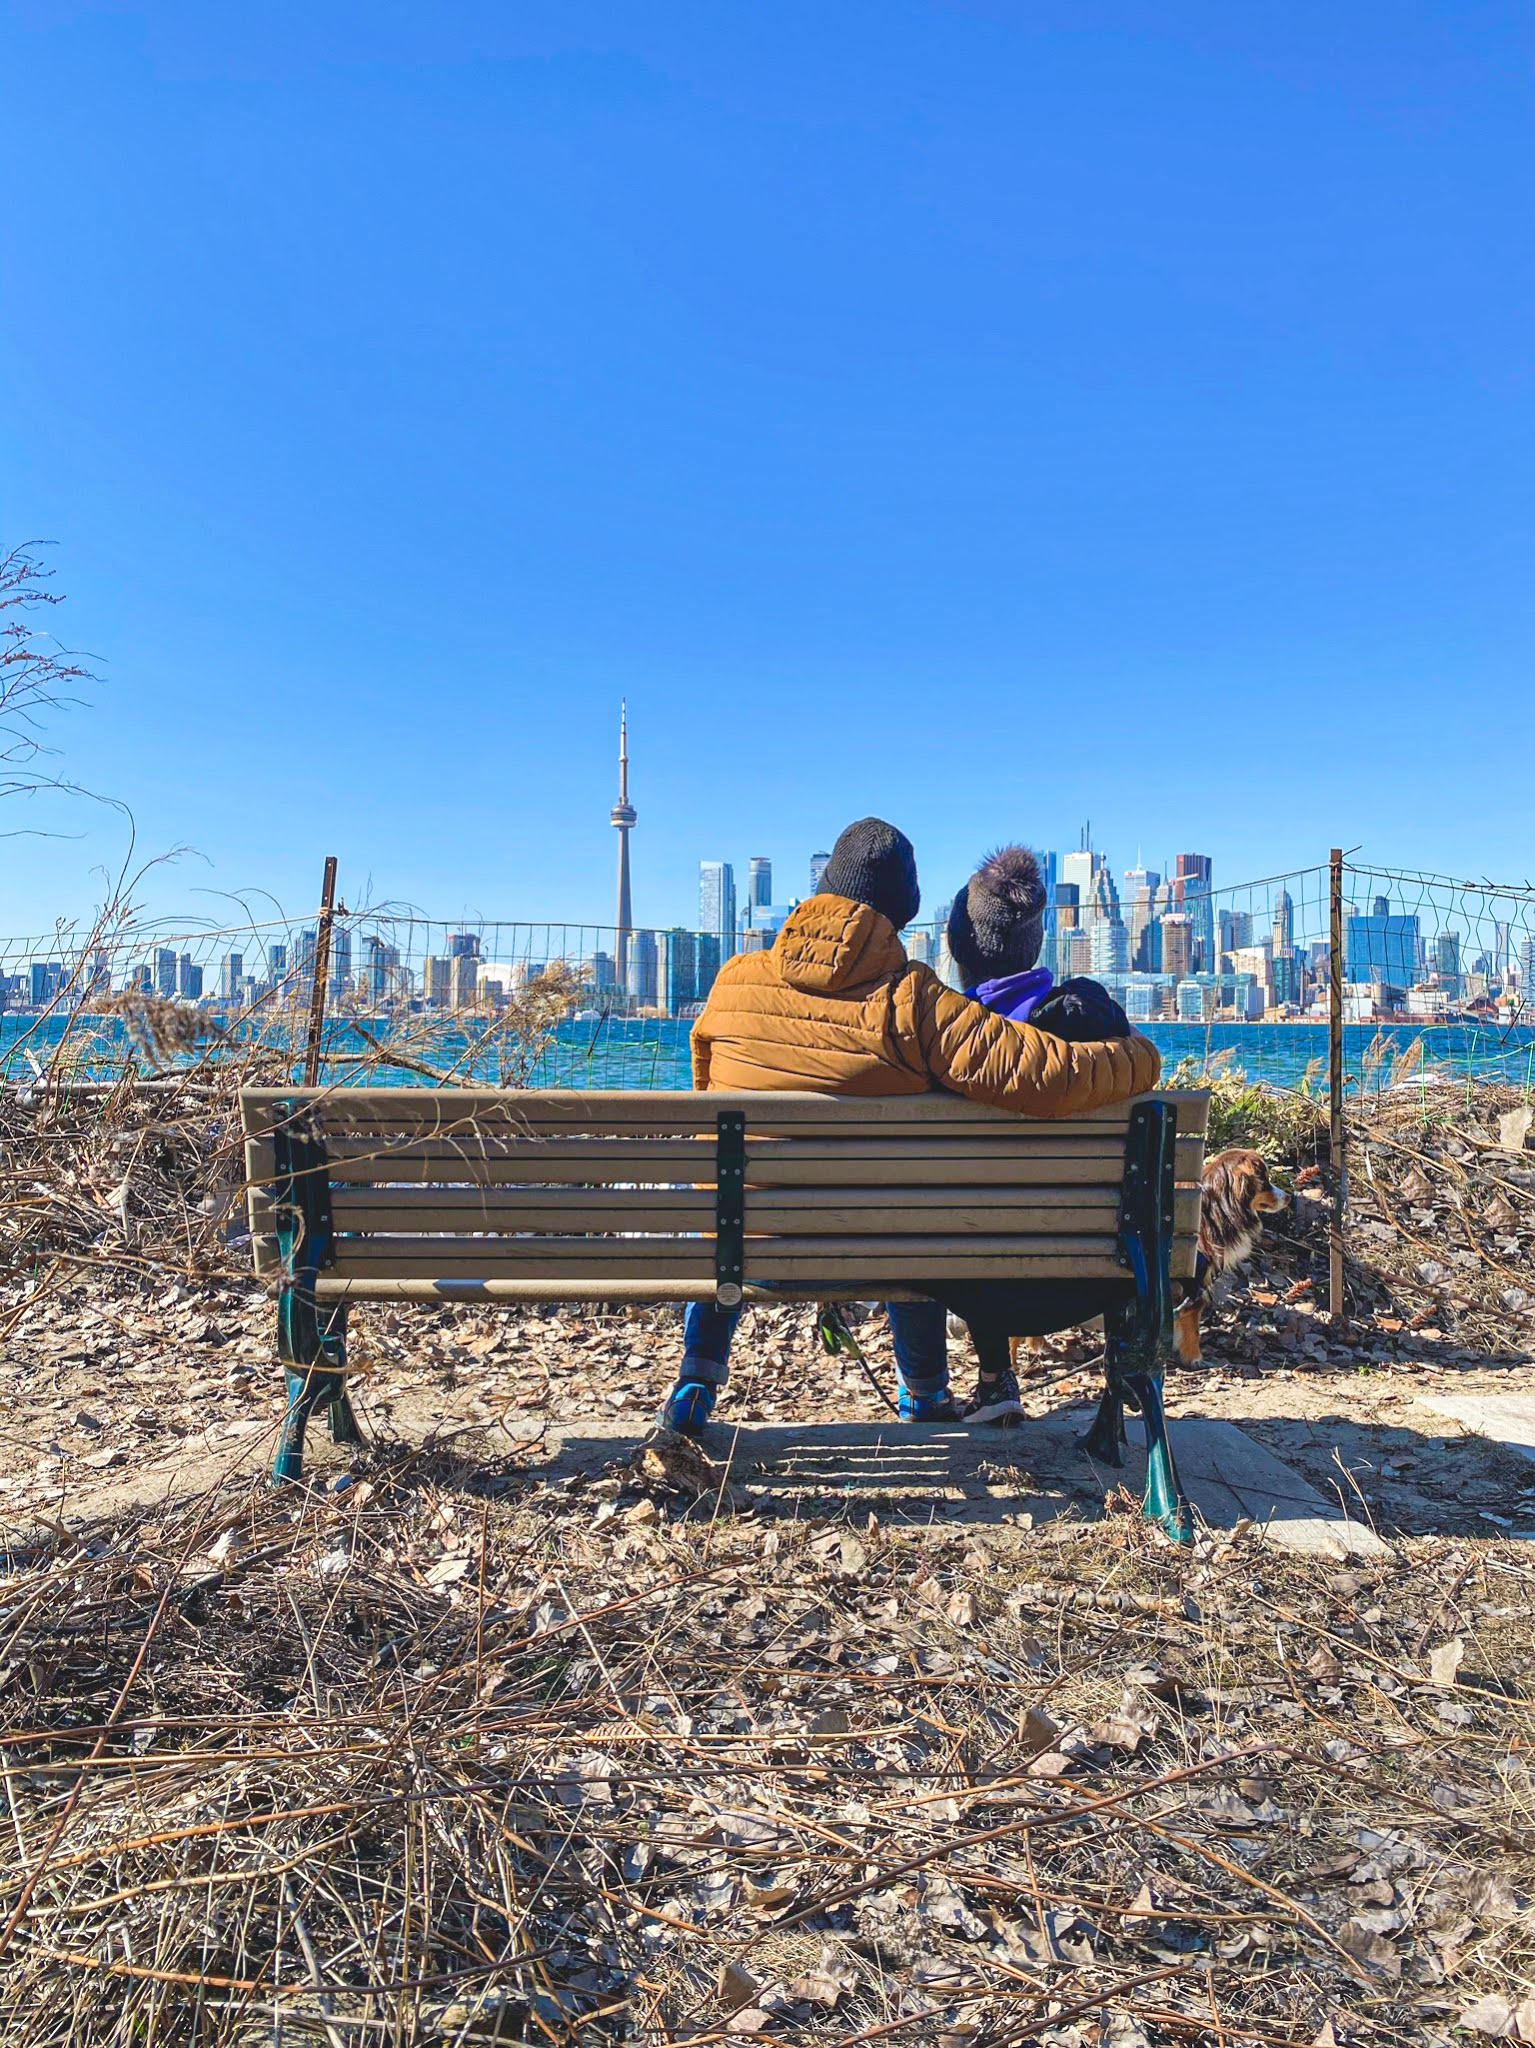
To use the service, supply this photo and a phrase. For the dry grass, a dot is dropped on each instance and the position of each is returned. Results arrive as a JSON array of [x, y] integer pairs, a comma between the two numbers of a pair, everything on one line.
[[454, 1755]]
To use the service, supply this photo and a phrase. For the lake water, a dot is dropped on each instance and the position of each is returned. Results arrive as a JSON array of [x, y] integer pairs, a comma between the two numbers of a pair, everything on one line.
[[634, 1052]]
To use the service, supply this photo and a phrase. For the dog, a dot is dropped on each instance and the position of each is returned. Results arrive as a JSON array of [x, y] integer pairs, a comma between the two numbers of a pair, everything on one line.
[[1235, 1194]]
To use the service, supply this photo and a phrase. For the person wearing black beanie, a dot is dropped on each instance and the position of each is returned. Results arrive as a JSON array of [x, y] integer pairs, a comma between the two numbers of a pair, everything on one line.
[[874, 863]]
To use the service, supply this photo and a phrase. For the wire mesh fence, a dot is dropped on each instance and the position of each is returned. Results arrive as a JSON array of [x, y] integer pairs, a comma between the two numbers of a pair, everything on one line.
[[1436, 980]]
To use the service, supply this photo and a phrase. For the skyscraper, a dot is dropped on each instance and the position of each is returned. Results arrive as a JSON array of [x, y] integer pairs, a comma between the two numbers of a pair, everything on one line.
[[819, 863], [189, 978], [1191, 892], [641, 986], [759, 881], [340, 959], [623, 821], [1106, 930], [717, 904], [464, 955], [1141, 885], [165, 971], [1284, 922], [681, 986], [231, 974], [1177, 943]]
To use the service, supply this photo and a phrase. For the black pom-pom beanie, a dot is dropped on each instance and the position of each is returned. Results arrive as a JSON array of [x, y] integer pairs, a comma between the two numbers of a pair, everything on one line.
[[997, 923]]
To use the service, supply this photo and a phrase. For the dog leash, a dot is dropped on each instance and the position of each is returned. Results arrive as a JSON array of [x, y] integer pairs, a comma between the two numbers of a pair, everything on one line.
[[836, 1337]]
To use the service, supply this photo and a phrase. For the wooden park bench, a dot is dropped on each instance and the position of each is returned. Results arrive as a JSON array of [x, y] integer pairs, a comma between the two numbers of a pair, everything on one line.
[[502, 1195]]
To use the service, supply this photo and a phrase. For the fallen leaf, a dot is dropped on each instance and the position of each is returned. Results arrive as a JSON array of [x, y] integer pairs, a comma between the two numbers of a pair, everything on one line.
[[1036, 1731], [737, 1987], [1444, 1662], [1514, 1129], [1492, 2015]]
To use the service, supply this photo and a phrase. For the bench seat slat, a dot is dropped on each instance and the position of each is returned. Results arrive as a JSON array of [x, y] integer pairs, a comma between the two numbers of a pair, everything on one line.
[[560, 1288], [863, 1272]]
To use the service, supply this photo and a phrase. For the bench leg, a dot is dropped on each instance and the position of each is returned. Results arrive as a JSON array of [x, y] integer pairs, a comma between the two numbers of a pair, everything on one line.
[[312, 1347], [1105, 1441], [1139, 1336], [1165, 1502]]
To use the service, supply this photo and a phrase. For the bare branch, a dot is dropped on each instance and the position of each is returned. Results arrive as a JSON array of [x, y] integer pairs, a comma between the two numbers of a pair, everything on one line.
[[37, 673]]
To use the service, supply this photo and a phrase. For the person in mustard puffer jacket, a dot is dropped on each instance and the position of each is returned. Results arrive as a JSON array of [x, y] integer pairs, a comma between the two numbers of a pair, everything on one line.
[[836, 1007]]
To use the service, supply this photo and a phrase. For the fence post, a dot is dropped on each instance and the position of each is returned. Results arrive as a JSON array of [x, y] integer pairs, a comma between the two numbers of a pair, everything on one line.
[[1335, 1302], [321, 974]]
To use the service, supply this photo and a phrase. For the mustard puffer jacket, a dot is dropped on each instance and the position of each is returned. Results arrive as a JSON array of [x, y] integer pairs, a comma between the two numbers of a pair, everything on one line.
[[835, 1006]]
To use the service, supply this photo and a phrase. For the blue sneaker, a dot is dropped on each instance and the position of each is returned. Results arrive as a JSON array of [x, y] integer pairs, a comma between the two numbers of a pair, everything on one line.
[[688, 1407], [935, 1407], [996, 1401]]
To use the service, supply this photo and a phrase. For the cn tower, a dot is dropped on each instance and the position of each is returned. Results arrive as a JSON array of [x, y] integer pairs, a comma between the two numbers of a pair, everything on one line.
[[623, 820]]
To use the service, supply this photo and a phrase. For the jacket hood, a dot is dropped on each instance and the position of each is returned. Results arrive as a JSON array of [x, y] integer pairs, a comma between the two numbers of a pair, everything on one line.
[[833, 945], [1015, 995]]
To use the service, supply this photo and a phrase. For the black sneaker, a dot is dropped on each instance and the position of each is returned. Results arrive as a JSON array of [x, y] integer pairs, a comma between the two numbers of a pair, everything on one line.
[[996, 1401]]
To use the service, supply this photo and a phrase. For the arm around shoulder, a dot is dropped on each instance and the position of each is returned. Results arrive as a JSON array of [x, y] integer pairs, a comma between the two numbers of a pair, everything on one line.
[[1012, 1066]]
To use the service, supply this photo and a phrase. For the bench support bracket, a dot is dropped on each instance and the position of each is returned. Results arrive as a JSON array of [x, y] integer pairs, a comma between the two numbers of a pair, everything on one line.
[[729, 1208], [1139, 1335], [311, 1341]]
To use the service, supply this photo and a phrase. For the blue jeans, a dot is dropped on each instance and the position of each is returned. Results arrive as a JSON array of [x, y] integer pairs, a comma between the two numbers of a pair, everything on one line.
[[918, 1327]]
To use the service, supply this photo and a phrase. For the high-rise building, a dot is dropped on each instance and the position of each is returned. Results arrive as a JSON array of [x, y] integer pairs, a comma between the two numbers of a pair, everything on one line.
[[819, 862], [47, 980], [1177, 943], [1382, 947], [759, 881], [681, 983], [340, 977], [1141, 885], [1501, 938], [165, 971], [1191, 892], [1447, 961], [641, 985], [231, 974], [1284, 922], [1065, 918], [1077, 871], [624, 818], [1234, 928], [189, 978], [464, 954], [308, 946], [436, 981], [381, 968], [717, 903], [1107, 938], [277, 963]]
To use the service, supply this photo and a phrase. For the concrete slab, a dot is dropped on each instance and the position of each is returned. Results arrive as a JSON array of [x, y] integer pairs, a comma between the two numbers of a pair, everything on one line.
[[1508, 1418], [945, 1475]]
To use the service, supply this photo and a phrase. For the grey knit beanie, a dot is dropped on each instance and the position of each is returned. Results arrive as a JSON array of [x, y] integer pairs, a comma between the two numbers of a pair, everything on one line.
[[997, 923], [875, 864]]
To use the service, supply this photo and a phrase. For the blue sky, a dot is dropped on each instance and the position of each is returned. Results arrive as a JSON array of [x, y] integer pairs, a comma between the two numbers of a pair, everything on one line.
[[990, 415]]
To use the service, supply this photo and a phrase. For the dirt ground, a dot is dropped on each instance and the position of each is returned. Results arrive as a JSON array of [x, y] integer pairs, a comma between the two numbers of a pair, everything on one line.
[[116, 1392]]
